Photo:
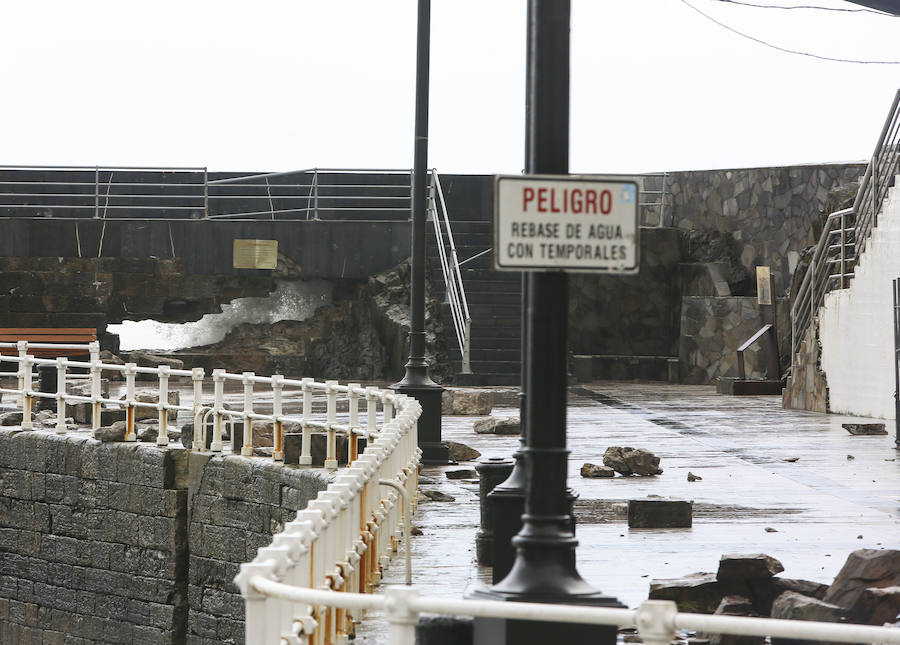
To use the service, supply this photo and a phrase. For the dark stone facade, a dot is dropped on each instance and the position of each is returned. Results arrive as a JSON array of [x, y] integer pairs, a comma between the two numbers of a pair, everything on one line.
[[129, 543]]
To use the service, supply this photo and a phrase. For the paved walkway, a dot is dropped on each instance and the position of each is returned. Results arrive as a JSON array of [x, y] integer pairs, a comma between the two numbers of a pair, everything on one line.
[[841, 494]]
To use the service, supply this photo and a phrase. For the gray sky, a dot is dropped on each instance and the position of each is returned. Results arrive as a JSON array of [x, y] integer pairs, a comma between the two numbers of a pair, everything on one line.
[[280, 85]]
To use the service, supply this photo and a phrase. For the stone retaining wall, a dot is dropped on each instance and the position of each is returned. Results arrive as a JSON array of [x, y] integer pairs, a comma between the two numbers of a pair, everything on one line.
[[769, 212], [130, 543]]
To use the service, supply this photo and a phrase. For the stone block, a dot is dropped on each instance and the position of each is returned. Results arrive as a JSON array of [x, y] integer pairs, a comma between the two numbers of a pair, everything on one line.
[[497, 425], [659, 513], [793, 606], [733, 566], [864, 568], [876, 606], [467, 402]]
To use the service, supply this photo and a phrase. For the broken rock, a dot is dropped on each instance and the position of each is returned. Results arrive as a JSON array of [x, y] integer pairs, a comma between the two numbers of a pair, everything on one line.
[[864, 568], [436, 495], [794, 606], [497, 425], [631, 461], [659, 513], [467, 402], [593, 470], [752, 566], [115, 432], [735, 606], [864, 428], [698, 592], [877, 606], [463, 473], [462, 452]]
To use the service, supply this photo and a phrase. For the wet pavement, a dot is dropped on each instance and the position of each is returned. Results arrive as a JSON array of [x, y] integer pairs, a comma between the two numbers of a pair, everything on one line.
[[792, 484]]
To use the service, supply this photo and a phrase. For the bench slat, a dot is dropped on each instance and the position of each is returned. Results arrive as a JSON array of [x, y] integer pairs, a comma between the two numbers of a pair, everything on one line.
[[65, 335]]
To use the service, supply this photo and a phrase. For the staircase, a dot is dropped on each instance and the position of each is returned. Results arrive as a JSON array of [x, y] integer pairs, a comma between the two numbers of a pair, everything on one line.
[[493, 297], [843, 303]]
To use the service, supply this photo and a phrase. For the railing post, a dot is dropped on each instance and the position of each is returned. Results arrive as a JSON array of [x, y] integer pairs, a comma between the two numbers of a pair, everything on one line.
[[61, 366], [162, 439], [467, 348], [277, 428], [94, 350], [22, 348], [352, 437], [655, 621], [331, 418], [371, 412], [219, 402], [96, 192], [256, 629], [130, 372], [843, 251], [388, 407], [247, 447], [205, 203], [402, 618], [28, 397], [306, 440], [199, 432], [96, 416], [315, 193]]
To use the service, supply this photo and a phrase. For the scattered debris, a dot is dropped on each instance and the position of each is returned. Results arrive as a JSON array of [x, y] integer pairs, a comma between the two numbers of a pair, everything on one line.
[[415, 530], [12, 418], [436, 495], [497, 425], [850, 457], [769, 529], [791, 459], [631, 461], [115, 432], [753, 566], [463, 473], [462, 452], [864, 428], [691, 477], [593, 470]]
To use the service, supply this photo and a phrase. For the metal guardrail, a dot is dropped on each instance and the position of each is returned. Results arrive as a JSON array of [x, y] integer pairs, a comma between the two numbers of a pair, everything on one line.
[[194, 193], [846, 232], [450, 268], [205, 412], [275, 614]]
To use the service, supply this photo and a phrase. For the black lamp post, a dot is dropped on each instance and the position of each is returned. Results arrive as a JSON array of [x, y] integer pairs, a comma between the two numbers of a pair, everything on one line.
[[416, 381], [544, 569]]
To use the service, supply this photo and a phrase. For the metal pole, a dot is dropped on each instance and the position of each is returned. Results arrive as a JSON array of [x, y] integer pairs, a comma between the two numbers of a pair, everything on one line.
[[416, 381], [544, 569]]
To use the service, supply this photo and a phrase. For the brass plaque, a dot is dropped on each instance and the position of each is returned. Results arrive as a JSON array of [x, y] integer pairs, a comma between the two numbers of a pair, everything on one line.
[[255, 254], [763, 286]]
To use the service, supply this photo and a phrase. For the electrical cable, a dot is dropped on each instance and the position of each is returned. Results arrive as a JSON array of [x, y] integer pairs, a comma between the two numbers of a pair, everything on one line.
[[809, 6], [786, 50]]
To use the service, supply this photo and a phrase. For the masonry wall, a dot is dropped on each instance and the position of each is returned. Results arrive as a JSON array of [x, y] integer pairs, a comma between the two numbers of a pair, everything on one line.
[[770, 213], [98, 543]]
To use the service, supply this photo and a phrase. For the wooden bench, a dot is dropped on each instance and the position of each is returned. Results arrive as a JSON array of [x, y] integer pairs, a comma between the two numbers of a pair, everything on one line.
[[65, 337]]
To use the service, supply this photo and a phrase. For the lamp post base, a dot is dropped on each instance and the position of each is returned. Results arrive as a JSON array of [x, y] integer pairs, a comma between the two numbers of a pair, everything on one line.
[[503, 631], [434, 451]]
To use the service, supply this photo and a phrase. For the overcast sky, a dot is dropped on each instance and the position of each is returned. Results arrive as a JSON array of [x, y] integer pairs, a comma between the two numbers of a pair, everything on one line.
[[289, 84]]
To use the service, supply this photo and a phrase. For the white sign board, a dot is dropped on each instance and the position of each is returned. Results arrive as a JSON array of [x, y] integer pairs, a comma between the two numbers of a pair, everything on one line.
[[565, 223]]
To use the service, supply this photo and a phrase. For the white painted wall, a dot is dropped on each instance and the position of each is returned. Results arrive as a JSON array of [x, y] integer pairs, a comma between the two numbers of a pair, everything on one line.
[[856, 325]]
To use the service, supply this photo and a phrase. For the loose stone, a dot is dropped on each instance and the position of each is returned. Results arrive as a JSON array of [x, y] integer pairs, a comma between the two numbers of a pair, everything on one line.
[[864, 428], [464, 473], [593, 470]]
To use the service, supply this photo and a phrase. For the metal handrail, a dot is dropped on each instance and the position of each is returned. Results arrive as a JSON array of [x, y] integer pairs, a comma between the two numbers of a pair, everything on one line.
[[842, 243], [453, 282]]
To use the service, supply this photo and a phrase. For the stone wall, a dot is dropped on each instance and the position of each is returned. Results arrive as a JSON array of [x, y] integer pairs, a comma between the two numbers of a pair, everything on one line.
[[712, 328], [632, 314], [770, 213], [129, 543], [807, 387]]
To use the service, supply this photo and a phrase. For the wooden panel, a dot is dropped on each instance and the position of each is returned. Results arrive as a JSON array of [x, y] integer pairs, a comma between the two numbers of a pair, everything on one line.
[[64, 335]]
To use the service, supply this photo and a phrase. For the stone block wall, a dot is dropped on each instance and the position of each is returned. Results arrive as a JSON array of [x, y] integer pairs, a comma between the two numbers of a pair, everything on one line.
[[712, 328], [236, 507], [770, 212], [807, 387], [630, 315], [129, 543]]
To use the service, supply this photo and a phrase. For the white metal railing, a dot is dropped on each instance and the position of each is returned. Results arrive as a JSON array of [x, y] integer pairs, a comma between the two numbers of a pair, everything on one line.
[[207, 411], [342, 542], [657, 621], [846, 231], [450, 268]]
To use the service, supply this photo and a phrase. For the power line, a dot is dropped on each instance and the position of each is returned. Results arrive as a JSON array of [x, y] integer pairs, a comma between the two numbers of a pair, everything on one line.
[[786, 50], [808, 6]]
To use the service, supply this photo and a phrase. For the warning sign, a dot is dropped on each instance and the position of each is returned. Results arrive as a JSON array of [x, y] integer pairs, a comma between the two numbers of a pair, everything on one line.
[[565, 223]]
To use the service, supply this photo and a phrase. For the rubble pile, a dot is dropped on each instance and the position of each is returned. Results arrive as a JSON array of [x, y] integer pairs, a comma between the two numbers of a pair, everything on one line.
[[865, 591]]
